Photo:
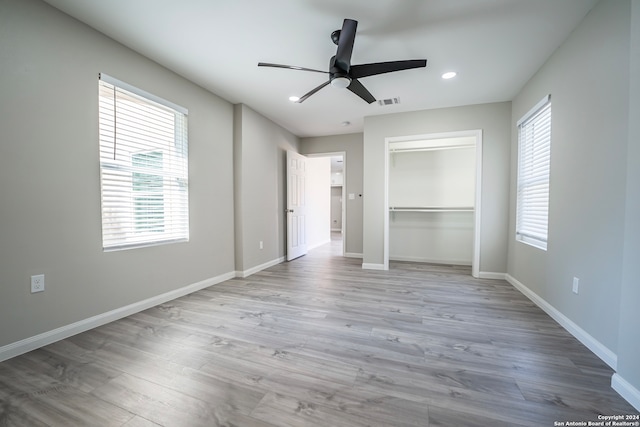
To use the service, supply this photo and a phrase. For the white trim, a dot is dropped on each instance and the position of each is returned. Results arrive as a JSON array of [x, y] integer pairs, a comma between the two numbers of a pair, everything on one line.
[[626, 390], [23, 346], [492, 275], [534, 110], [130, 88], [385, 218], [477, 133], [353, 255], [599, 349], [254, 270], [371, 266], [477, 212]]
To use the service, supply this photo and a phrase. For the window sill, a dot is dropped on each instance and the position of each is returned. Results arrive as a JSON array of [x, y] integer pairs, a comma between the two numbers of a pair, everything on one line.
[[532, 242]]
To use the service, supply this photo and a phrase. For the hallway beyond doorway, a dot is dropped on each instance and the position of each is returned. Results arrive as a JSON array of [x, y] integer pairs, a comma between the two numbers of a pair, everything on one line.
[[331, 249]]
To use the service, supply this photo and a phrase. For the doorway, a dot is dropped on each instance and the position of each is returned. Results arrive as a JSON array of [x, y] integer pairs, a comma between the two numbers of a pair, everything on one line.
[[433, 198], [336, 188]]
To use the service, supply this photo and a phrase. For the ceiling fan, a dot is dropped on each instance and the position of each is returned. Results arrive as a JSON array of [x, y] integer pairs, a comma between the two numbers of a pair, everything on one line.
[[344, 75]]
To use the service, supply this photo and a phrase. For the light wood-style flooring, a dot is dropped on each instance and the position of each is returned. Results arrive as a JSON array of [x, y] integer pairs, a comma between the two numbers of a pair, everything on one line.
[[319, 342]]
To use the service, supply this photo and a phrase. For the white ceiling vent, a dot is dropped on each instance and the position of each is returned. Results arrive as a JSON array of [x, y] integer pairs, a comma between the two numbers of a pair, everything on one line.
[[390, 101]]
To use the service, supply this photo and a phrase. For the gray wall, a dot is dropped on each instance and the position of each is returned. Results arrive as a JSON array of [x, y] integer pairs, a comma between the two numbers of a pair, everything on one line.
[[587, 78], [351, 144], [629, 340], [260, 148], [494, 120], [49, 176]]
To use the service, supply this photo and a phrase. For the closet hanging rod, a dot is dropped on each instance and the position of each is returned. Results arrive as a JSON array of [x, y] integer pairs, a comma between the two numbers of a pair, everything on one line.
[[442, 147], [431, 209]]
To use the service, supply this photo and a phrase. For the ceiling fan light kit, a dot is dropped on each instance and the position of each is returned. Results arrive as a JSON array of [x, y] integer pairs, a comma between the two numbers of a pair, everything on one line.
[[341, 82], [344, 75]]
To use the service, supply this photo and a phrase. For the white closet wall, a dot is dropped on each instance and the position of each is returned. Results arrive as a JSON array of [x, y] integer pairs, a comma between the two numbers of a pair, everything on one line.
[[431, 202], [336, 208]]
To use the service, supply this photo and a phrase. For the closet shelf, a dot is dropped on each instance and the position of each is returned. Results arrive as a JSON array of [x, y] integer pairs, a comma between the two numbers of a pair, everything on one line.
[[431, 209]]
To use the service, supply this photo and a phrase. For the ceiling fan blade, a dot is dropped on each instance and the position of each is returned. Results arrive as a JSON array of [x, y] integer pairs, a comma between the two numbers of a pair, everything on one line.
[[345, 44], [357, 88], [290, 67], [311, 92], [365, 70]]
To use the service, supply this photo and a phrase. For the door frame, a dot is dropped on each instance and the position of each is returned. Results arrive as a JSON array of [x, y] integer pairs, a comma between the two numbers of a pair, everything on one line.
[[477, 231], [344, 191]]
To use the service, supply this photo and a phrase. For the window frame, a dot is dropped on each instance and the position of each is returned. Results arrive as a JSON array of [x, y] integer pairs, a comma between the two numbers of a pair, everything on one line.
[[143, 155], [533, 175]]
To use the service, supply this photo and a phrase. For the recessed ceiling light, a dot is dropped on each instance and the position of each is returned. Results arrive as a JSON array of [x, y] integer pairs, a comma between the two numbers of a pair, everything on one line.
[[294, 98], [345, 123], [449, 75]]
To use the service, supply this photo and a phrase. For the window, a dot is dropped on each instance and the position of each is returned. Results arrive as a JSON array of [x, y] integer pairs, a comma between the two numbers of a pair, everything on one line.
[[143, 167], [534, 151]]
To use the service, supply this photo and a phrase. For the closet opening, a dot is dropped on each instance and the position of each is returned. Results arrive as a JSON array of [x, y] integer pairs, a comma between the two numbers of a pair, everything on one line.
[[432, 199]]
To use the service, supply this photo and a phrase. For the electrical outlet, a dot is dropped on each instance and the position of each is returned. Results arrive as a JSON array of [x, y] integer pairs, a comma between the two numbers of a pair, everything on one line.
[[576, 285], [37, 283], [261, 245]]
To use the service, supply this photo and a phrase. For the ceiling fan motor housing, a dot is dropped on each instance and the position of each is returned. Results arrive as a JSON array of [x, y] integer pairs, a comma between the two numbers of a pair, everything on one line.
[[335, 37]]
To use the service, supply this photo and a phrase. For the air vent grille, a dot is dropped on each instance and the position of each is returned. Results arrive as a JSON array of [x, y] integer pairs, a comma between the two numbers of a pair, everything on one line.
[[389, 101]]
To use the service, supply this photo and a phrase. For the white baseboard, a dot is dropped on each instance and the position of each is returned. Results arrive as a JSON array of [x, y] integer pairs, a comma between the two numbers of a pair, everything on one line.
[[371, 266], [352, 255], [492, 275], [23, 346], [626, 390], [600, 350], [254, 270]]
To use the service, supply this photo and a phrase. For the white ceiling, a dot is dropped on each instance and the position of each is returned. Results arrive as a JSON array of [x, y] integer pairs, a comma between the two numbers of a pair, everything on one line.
[[494, 45]]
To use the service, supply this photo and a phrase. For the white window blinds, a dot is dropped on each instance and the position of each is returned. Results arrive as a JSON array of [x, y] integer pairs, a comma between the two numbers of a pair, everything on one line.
[[143, 167], [534, 151]]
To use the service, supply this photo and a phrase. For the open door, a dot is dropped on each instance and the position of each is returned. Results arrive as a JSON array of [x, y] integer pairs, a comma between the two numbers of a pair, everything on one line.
[[296, 205]]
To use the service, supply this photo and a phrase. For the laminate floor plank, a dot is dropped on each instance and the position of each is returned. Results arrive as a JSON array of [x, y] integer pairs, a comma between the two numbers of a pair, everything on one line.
[[319, 342], [365, 403], [140, 422], [580, 398], [287, 410]]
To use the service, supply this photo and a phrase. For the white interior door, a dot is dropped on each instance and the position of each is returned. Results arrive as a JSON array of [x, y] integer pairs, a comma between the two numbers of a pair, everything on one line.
[[296, 205]]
